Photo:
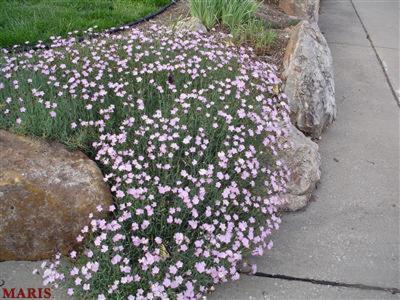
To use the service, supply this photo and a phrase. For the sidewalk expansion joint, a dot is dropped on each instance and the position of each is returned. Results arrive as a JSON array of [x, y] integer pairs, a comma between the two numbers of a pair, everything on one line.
[[396, 97], [359, 286], [358, 45]]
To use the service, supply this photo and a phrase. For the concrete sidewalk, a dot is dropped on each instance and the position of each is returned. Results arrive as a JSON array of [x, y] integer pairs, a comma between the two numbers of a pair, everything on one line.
[[350, 234]]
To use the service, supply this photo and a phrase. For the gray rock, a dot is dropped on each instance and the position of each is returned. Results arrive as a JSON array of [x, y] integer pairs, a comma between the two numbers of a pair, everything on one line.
[[305, 9], [304, 161], [308, 72], [190, 24], [46, 196]]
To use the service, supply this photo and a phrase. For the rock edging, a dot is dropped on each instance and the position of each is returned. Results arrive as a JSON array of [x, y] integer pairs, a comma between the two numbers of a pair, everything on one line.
[[305, 9], [46, 196], [309, 83], [304, 161]]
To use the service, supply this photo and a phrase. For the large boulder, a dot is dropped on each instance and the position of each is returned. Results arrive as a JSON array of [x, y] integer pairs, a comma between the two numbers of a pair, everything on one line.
[[46, 196], [303, 160], [308, 75], [305, 9]]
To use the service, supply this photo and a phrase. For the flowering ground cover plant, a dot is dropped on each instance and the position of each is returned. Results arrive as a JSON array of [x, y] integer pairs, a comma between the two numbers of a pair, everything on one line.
[[186, 130]]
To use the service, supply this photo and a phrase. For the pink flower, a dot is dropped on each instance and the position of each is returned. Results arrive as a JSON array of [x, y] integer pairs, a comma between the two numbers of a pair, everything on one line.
[[120, 194], [116, 259], [187, 140], [173, 269], [74, 271], [179, 237], [189, 165], [200, 267], [253, 269], [78, 281]]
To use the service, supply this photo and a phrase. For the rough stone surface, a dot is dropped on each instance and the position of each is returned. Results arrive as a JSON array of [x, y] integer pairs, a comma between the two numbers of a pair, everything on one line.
[[308, 72], [275, 17], [191, 24], [304, 161], [305, 9], [46, 195]]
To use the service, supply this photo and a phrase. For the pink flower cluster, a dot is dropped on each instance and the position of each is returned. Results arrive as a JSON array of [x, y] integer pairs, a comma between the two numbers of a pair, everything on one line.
[[188, 136]]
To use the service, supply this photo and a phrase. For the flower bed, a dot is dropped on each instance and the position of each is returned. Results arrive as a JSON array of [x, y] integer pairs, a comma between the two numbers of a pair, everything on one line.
[[185, 128]]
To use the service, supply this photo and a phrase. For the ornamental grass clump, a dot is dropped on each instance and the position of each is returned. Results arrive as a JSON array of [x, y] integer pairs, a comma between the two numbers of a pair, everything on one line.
[[239, 17], [231, 13], [187, 132]]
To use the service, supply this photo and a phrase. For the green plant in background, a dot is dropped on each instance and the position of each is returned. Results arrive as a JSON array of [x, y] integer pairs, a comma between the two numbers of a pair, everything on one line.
[[208, 11], [239, 17], [256, 34], [237, 13], [230, 13]]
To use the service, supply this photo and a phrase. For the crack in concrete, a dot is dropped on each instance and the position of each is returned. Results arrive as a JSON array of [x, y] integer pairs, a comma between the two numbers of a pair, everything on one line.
[[360, 286], [396, 97]]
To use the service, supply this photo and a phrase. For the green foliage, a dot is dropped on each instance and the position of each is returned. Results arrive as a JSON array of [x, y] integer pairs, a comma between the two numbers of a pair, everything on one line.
[[239, 17], [230, 13], [256, 34], [208, 11], [236, 13], [35, 20], [186, 132]]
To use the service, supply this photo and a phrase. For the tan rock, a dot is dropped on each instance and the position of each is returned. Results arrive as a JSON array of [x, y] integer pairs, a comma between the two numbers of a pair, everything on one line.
[[190, 24], [309, 82], [304, 161], [305, 9], [274, 17], [46, 195]]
